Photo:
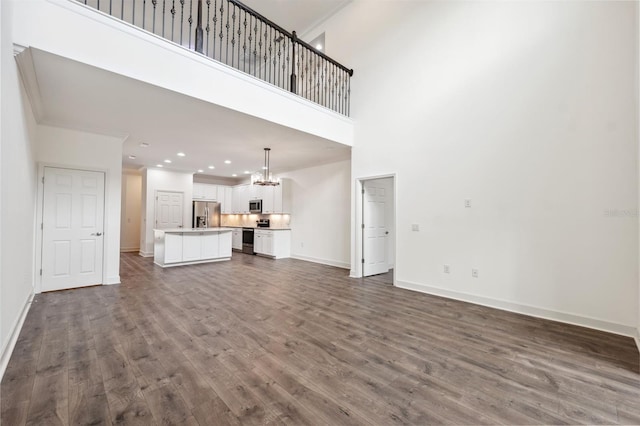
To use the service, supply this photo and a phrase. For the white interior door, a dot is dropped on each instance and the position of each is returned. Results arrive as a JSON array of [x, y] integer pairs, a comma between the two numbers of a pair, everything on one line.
[[169, 208], [72, 228], [374, 244]]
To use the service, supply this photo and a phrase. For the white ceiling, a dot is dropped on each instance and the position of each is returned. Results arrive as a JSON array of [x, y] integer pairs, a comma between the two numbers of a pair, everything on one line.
[[78, 96], [296, 15]]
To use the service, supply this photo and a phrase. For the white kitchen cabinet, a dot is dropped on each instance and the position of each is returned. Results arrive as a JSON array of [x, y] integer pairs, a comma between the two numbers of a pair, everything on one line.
[[236, 242], [191, 247], [211, 192], [173, 248], [210, 246], [282, 197], [208, 192], [268, 205], [224, 244], [241, 198], [227, 200], [198, 191], [272, 243]]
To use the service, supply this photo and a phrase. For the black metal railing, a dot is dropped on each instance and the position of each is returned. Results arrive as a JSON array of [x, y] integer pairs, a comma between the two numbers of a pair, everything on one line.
[[234, 34]]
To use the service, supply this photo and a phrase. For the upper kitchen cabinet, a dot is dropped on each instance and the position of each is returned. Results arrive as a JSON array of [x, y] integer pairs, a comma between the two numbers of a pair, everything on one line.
[[204, 191], [275, 199], [282, 196], [227, 200]]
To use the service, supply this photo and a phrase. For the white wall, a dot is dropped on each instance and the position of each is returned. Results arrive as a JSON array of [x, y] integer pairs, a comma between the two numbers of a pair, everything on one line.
[[526, 108], [130, 211], [320, 216], [54, 25], [155, 180], [17, 193], [89, 151]]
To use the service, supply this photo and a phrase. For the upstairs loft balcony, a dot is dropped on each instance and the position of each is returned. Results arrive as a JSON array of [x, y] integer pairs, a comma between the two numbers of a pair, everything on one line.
[[231, 33]]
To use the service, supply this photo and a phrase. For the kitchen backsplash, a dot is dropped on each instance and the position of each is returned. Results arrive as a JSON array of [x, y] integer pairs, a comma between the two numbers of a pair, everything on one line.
[[276, 220]]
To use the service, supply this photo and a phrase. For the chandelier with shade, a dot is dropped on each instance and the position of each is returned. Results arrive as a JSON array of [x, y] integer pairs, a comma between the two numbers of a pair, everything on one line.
[[265, 178]]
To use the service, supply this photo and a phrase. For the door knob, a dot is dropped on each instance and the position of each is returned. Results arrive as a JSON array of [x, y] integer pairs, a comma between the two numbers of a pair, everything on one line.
[[97, 234]]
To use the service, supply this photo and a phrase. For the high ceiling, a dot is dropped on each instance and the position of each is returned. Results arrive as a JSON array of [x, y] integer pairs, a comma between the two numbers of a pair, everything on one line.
[[296, 15], [78, 96]]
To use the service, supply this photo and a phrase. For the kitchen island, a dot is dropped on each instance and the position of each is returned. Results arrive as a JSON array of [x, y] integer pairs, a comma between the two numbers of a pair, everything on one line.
[[187, 246]]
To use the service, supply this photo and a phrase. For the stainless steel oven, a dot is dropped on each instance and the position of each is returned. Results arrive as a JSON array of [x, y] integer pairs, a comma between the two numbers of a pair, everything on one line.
[[247, 240]]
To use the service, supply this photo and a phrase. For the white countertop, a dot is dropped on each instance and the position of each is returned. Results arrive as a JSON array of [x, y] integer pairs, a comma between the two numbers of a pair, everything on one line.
[[193, 230]]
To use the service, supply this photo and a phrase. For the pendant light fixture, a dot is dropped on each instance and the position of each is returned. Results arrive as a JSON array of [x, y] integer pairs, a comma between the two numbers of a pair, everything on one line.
[[265, 178]]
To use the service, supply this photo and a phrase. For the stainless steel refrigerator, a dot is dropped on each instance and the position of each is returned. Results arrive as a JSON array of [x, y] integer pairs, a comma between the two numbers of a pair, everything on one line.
[[206, 214]]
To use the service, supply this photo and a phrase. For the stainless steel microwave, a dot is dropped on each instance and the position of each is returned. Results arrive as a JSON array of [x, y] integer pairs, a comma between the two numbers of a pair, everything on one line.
[[255, 206]]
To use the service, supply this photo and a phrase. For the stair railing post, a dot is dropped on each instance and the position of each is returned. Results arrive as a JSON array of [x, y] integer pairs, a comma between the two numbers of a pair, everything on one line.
[[292, 83], [199, 31]]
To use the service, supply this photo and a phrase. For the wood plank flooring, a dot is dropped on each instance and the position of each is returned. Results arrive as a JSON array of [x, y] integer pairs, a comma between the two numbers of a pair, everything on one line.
[[256, 341]]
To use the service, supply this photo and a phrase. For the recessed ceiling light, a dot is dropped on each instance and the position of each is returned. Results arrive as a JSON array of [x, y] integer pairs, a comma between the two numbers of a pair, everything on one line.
[[159, 165], [319, 46], [211, 167], [167, 161], [200, 171], [246, 172], [144, 145], [132, 157], [234, 175], [180, 154], [227, 161]]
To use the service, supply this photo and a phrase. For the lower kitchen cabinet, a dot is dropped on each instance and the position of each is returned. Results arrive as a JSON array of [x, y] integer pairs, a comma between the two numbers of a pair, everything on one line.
[[236, 243], [272, 243], [182, 247]]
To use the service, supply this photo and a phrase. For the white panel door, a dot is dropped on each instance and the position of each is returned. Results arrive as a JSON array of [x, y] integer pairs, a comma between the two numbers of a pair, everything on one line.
[[375, 229], [169, 207], [72, 228]]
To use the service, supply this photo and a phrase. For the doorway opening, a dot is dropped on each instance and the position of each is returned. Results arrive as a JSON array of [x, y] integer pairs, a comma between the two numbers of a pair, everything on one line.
[[375, 238]]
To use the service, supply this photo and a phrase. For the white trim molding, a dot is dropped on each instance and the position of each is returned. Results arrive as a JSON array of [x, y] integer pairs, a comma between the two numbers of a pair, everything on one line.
[[113, 280], [336, 263], [145, 253], [637, 338], [15, 333], [518, 308]]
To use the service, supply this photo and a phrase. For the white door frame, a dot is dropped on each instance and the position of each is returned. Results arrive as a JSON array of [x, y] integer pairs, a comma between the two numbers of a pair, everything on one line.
[[40, 214], [356, 268]]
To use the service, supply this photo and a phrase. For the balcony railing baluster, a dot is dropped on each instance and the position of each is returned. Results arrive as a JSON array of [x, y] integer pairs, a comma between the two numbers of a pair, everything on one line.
[[247, 41]]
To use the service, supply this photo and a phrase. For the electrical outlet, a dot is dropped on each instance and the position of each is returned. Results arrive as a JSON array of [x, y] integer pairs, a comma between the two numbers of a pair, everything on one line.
[[474, 273], [415, 227], [467, 203], [446, 269]]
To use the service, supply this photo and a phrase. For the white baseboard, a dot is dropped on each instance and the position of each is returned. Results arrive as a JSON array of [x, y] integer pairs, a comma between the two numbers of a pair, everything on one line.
[[13, 339], [113, 280], [533, 311], [129, 249], [145, 254], [343, 265]]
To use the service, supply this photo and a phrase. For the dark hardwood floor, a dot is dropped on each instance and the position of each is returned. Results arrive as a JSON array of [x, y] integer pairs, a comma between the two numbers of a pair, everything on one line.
[[257, 341]]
